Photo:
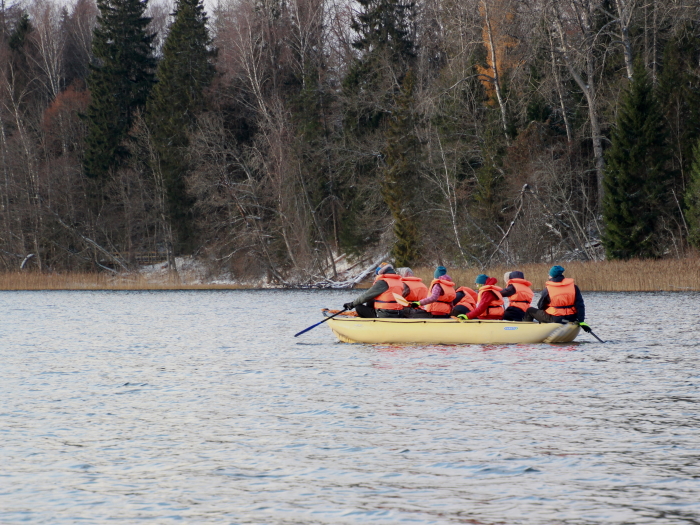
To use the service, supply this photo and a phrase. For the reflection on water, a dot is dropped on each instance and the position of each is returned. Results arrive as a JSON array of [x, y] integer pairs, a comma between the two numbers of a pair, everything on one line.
[[201, 407]]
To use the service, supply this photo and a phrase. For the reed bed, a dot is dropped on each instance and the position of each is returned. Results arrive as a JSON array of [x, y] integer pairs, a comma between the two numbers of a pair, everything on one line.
[[102, 281], [669, 275]]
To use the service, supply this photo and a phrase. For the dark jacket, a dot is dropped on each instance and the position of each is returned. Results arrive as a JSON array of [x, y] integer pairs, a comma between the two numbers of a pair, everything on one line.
[[508, 291], [543, 303], [378, 288]]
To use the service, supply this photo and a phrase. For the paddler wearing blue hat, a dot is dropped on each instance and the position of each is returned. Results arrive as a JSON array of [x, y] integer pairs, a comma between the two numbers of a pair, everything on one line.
[[561, 300], [379, 300]]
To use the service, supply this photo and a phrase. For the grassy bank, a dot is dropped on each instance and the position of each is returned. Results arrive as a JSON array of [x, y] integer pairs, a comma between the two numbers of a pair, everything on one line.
[[608, 276], [673, 275]]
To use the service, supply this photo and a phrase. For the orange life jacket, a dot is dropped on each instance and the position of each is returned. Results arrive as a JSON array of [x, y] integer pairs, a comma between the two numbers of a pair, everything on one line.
[[443, 306], [495, 308], [523, 294], [561, 297], [417, 290], [385, 300], [469, 299]]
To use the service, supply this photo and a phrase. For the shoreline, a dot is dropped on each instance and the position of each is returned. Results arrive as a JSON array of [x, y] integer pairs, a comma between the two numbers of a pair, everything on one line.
[[665, 275]]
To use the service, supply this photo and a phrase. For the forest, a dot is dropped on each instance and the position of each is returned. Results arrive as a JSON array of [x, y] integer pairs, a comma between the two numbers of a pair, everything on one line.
[[279, 139]]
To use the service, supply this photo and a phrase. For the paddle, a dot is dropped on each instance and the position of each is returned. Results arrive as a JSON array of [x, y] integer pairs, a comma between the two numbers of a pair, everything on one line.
[[401, 300], [588, 330], [315, 325]]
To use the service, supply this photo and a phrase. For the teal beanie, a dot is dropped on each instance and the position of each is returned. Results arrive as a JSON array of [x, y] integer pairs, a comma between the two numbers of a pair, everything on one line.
[[481, 278], [556, 271], [439, 272]]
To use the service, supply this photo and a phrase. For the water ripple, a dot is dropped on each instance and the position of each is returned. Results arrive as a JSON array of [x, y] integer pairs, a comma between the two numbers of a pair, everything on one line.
[[200, 407]]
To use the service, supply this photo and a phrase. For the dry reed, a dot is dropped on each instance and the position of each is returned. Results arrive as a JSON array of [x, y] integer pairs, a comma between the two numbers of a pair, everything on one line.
[[669, 275]]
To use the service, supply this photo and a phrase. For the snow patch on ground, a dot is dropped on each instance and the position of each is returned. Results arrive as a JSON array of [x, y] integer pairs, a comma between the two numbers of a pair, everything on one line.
[[192, 271]]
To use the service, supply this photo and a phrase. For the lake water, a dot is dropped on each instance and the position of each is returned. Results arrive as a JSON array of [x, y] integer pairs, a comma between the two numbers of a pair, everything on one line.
[[201, 407]]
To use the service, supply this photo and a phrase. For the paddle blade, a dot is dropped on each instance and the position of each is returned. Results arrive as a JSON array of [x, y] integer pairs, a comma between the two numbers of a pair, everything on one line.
[[400, 299], [309, 328], [315, 325]]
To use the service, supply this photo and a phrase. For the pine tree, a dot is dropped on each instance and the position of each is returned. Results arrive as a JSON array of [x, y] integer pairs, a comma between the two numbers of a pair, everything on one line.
[[183, 75], [634, 175], [692, 199], [679, 96], [23, 56], [384, 38], [120, 81], [400, 176]]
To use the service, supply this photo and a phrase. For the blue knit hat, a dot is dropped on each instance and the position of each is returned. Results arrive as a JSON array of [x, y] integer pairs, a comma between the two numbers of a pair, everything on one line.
[[517, 275], [439, 272], [556, 271], [481, 278], [384, 268]]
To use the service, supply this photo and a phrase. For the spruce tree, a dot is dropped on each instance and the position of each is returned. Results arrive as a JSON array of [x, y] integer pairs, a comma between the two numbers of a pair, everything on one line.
[[120, 80], [385, 40], [183, 74], [679, 96], [23, 56], [692, 199], [400, 175], [634, 174], [386, 43]]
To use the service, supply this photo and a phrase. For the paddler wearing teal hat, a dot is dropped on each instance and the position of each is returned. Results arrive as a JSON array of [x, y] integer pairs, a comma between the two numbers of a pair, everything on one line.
[[560, 301]]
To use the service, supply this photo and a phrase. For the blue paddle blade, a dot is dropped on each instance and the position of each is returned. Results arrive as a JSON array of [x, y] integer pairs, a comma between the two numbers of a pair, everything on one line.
[[315, 325], [309, 328]]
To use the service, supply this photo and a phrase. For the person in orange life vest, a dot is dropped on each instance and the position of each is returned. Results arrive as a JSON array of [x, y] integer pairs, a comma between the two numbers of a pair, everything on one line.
[[414, 289], [379, 300], [464, 302], [519, 296], [561, 300], [442, 294], [489, 303]]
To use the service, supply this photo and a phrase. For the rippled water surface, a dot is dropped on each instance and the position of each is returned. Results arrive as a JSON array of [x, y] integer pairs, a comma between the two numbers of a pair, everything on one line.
[[200, 407]]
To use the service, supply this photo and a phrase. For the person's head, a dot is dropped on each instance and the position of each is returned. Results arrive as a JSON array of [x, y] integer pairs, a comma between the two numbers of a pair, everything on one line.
[[383, 268], [440, 271], [556, 271], [515, 275], [506, 277], [481, 280], [404, 272]]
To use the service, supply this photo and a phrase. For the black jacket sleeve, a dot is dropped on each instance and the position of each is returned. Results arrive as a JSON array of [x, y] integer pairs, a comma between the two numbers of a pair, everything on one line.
[[508, 291], [578, 304], [458, 298], [543, 303], [377, 289]]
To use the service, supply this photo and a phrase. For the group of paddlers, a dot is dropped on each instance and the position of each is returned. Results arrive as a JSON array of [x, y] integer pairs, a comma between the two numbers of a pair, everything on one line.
[[560, 301]]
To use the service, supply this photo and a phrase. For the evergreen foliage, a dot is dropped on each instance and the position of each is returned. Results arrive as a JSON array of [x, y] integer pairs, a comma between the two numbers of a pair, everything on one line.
[[20, 33], [679, 96], [22, 57], [384, 25], [634, 176], [387, 48], [385, 41], [692, 198], [400, 175], [120, 81], [183, 75]]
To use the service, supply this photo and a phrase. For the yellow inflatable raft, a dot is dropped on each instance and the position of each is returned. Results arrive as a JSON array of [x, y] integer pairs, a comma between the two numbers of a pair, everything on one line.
[[449, 331]]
